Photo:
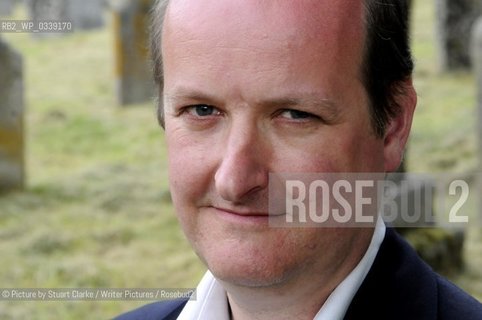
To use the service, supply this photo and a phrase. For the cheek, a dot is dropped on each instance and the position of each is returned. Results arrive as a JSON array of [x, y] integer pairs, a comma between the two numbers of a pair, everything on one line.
[[185, 186], [182, 163], [190, 168], [334, 152]]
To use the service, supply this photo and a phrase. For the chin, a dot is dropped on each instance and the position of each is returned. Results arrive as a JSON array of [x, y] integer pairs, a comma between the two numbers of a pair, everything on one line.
[[250, 269], [246, 278]]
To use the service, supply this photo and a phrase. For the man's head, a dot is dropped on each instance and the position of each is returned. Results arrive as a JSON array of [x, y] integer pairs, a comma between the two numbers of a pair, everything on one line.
[[387, 61], [252, 87]]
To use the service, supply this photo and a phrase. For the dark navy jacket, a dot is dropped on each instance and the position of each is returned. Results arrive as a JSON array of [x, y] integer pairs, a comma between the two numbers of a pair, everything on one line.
[[398, 286]]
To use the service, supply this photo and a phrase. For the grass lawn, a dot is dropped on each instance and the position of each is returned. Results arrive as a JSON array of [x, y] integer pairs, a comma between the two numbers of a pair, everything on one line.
[[96, 211]]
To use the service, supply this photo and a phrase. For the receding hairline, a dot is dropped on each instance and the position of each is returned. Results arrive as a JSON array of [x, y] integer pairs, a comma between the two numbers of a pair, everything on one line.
[[157, 23], [158, 18]]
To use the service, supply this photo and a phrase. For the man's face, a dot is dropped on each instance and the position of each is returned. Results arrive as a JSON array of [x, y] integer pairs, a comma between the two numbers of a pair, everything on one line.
[[253, 87]]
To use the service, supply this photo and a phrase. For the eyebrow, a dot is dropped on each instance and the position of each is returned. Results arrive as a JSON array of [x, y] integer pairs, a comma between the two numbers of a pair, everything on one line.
[[329, 107], [186, 93]]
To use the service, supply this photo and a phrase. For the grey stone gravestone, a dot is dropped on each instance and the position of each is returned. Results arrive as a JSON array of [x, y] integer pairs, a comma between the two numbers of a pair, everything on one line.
[[476, 53], [40, 10], [454, 22], [84, 15], [47, 10], [11, 119], [134, 81], [477, 66], [6, 7]]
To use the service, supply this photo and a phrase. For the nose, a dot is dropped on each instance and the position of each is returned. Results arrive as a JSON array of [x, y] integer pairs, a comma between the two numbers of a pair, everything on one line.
[[244, 164]]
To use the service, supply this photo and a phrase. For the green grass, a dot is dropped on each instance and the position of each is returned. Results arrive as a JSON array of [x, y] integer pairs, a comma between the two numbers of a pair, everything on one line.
[[96, 209], [443, 138]]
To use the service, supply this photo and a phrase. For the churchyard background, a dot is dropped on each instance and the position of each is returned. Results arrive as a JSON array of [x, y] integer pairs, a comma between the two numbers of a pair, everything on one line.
[[96, 210]]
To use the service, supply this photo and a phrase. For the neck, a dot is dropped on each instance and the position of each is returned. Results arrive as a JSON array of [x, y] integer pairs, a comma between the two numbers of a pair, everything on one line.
[[300, 296]]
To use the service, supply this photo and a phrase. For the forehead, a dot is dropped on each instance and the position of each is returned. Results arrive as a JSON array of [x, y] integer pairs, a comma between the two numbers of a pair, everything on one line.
[[335, 24]]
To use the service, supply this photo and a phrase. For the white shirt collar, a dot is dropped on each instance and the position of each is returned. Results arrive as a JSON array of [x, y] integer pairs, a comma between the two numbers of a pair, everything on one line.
[[211, 299], [339, 300]]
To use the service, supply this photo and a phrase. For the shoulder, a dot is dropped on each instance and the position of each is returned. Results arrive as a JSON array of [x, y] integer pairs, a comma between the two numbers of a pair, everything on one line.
[[163, 310], [401, 286], [453, 303]]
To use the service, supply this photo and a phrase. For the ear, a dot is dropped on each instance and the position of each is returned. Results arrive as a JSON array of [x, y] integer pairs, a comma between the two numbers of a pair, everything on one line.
[[398, 128]]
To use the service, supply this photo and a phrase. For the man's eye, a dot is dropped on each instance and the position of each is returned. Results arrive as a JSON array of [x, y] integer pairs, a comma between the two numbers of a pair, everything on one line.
[[296, 114], [202, 110]]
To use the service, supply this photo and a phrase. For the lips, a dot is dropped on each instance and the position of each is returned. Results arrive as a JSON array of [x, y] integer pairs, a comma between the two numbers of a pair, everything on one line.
[[248, 213], [243, 213]]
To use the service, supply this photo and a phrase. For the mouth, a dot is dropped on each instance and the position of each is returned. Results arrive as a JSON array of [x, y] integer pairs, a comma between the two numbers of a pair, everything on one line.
[[243, 213], [245, 216]]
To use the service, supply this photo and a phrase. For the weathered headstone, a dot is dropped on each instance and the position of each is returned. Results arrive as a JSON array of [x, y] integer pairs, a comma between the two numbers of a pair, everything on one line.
[[477, 66], [47, 10], [85, 14], [134, 82], [476, 53], [6, 7], [11, 119], [454, 22], [41, 10]]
